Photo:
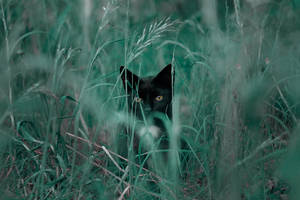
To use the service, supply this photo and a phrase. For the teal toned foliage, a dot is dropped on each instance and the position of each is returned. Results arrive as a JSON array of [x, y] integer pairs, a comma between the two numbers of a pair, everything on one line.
[[236, 99]]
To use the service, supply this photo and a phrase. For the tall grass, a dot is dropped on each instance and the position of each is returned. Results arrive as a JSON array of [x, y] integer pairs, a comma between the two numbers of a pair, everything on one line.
[[63, 108]]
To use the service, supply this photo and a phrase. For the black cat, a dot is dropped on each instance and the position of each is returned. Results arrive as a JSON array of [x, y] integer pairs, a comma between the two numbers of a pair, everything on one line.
[[150, 103]]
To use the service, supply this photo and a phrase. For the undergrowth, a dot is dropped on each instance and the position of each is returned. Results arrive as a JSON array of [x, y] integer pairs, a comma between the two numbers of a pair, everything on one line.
[[63, 108]]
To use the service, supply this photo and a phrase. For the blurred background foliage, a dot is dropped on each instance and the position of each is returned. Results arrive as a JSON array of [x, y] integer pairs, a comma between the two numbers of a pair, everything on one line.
[[62, 104]]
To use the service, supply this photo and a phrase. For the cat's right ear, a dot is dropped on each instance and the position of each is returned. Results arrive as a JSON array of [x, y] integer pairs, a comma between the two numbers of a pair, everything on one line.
[[129, 79]]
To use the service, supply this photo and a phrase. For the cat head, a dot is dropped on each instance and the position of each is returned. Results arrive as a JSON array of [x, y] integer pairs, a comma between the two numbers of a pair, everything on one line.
[[149, 94]]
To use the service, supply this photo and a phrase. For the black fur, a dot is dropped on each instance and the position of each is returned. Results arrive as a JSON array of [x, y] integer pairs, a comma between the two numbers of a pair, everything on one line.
[[149, 111]]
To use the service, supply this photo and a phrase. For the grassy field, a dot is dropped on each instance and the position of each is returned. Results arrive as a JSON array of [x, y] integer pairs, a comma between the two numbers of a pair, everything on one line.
[[236, 99]]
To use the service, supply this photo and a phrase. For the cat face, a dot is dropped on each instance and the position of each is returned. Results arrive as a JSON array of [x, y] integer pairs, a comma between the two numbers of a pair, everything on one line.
[[149, 95]]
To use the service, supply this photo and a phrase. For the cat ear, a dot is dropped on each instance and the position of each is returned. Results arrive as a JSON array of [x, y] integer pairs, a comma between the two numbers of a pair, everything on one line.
[[128, 78], [164, 77]]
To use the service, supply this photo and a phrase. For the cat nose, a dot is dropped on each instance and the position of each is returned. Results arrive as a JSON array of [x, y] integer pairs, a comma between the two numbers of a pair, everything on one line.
[[147, 109]]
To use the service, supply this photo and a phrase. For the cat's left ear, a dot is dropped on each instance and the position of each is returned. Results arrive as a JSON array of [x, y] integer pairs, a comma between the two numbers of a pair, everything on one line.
[[130, 80], [164, 77]]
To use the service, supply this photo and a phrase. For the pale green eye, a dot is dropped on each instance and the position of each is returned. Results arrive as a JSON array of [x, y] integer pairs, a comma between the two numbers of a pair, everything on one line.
[[159, 98], [137, 99]]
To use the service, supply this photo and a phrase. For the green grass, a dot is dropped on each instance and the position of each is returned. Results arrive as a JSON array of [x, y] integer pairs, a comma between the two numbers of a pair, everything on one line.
[[63, 108]]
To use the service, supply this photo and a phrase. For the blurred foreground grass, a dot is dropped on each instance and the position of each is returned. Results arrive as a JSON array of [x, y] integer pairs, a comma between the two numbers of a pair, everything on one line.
[[62, 105]]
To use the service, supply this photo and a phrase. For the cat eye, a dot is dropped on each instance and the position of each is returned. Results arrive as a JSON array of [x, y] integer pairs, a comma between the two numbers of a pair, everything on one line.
[[137, 99], [159, 98]]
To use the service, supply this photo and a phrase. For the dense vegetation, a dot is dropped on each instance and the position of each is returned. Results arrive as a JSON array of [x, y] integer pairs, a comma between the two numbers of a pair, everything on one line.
[[236, 100]]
